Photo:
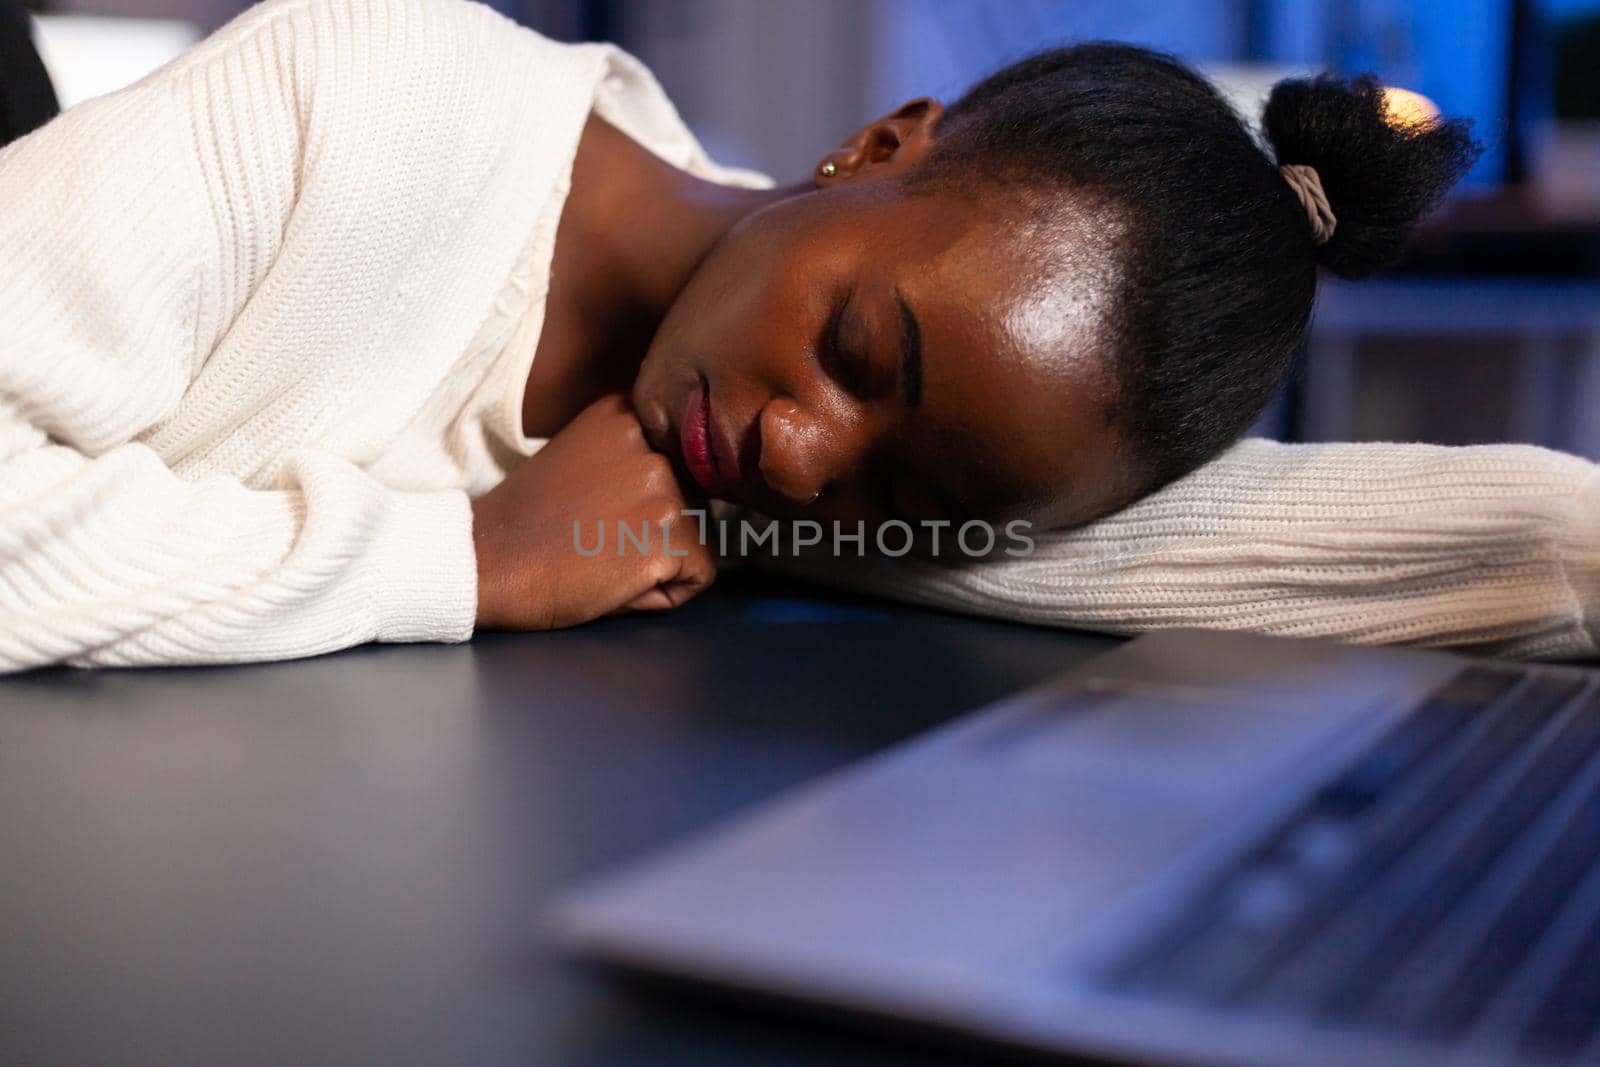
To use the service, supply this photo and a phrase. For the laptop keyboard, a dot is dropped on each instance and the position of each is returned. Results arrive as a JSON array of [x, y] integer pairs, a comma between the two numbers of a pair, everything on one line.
[[1446, 884]]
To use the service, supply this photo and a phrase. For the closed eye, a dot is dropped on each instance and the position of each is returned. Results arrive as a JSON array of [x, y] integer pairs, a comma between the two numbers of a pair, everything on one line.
[[843, 367]]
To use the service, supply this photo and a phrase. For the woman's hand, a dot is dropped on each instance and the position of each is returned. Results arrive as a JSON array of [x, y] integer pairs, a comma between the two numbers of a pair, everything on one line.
[[597, 472]]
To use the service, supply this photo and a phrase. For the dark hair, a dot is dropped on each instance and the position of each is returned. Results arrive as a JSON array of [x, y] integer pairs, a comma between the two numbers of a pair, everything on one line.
[[1219, 265]]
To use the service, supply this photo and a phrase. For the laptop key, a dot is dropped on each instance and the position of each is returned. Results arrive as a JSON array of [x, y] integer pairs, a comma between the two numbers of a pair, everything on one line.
[[1422, 908], [1511, 724], [1201, 945], [1511, 938], [1570, 1013], [1420, 735]]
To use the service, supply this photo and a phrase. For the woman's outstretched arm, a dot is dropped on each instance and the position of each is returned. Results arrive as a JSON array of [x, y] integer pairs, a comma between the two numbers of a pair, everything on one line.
[[1496, 548]]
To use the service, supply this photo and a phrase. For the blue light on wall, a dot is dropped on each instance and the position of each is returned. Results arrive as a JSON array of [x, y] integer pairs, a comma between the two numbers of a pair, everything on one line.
[[1457, 52]]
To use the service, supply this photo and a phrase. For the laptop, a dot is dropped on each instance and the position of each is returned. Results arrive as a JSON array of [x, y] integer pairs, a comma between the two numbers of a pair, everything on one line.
[[1198, 848]]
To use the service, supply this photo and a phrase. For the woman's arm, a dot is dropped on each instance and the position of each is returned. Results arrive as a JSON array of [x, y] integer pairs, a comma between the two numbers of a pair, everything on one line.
[[114, 560], [135, 230], [1496, 548]]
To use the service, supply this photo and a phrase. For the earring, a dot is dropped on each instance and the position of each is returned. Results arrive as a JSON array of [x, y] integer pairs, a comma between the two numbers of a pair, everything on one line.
[[828, 169]]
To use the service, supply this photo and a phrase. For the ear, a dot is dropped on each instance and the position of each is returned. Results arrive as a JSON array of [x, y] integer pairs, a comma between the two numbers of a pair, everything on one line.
[[884, 148]]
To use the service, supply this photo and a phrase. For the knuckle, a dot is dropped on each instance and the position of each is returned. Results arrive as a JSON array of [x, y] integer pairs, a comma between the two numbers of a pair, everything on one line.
[[655, 473], [664, 509]]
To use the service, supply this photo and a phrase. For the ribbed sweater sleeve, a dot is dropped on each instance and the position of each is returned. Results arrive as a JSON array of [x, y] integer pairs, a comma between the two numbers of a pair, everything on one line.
[[1495, 548], [136, 229]]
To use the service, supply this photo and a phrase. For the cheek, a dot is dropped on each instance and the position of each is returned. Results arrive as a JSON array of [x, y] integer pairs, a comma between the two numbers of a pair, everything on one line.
[[701, 327], [753, 315], [1101, 480]]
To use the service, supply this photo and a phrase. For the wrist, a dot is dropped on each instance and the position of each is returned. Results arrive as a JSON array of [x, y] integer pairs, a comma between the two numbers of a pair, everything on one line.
[[485, 525]]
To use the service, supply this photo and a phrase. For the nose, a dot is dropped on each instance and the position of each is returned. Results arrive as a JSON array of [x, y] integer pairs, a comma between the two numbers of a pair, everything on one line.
[[802, 453]]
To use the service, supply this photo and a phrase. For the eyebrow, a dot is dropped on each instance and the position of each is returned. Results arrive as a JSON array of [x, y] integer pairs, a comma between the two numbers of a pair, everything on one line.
[[910, 352]]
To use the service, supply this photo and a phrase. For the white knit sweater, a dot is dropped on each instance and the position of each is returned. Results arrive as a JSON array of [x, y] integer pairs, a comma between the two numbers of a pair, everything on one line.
[[267, 316], [1495, 547]]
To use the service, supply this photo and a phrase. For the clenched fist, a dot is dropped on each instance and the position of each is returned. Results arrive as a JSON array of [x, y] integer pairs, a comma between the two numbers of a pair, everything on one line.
[[598, 471]]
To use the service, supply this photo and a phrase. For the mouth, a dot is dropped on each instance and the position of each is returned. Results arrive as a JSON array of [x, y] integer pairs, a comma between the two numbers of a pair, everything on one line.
[[707, 453]]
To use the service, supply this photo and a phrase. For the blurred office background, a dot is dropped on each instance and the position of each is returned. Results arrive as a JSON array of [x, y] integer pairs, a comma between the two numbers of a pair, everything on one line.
[[1489, 332]]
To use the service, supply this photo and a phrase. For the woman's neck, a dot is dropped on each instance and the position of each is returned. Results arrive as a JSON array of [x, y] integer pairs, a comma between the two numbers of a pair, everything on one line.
[[632, 232]]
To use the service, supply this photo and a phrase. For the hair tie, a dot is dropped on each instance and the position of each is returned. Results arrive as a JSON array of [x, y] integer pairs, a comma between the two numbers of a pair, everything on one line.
[[1307, 185]]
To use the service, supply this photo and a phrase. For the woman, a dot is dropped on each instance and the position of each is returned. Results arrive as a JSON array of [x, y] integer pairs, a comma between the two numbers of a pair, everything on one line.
[[284, 328]]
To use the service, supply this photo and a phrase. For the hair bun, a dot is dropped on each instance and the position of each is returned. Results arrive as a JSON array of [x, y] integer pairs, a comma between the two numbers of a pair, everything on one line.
[[1384, 161]]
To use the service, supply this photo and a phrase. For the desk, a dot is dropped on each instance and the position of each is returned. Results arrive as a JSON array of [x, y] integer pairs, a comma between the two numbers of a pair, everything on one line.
[[342, 860]]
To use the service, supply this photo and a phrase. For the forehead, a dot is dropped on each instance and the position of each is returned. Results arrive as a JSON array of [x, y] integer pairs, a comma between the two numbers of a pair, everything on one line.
[[1018, 385]]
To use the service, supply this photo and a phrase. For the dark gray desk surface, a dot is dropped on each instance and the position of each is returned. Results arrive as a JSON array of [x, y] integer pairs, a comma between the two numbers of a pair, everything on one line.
[[341, 860]]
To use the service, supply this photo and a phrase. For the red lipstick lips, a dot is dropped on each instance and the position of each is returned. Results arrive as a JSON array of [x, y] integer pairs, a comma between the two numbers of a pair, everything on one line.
[[711, 460], [695, 438]]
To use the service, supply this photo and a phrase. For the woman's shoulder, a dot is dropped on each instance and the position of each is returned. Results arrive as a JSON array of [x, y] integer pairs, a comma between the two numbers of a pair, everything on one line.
[[356, 33], [629, 97]]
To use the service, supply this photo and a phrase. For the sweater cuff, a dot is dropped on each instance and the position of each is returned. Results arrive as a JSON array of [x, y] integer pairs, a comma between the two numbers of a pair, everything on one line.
[[1582, 553], [426, 569]]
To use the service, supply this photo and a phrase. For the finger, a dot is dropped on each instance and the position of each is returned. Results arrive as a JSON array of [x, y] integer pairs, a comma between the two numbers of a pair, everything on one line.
[[680, 593], [695, 578], [656, 598]]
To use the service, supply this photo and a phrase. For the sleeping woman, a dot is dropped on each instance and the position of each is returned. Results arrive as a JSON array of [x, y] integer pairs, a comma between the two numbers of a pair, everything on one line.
[[337, 328]]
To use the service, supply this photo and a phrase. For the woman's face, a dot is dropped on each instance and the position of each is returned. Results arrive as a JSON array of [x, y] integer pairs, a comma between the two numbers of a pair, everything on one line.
[[862, 352]]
